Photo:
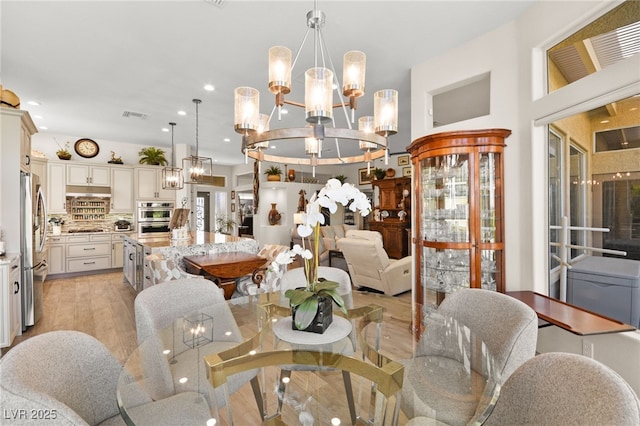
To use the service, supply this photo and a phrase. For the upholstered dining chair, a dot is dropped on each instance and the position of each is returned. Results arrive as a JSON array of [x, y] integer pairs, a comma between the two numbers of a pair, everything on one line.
[[565, 389], [296, 278], [157, 308], [159, 270], [489, 325], [70, 378]]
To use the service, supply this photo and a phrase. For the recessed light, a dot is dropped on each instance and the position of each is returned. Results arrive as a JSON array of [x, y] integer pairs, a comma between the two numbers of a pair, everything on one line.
[[164, 129], [284, 111], [272, 147], [182, 113], [226, 140], [604, 121], [43, 128], [34, 103], [209, 87]]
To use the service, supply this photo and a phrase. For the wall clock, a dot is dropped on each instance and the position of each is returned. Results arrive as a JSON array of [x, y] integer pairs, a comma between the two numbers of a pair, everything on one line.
[[86, 148]]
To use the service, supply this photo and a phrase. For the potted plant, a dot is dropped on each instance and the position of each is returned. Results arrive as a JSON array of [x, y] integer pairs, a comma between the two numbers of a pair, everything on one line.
[[273, 173], [341, 178], [224, 225], [305, 301], [153, 156], [379, 173], [63, 153]]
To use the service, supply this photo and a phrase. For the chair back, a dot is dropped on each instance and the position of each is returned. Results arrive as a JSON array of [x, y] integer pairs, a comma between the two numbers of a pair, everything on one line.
[[565, 389], [365, 235], [508, 327], [366, 259], [66, 371], [158, 306]]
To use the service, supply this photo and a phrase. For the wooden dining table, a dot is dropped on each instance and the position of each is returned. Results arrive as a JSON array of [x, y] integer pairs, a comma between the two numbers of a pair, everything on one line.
[[224, 268]]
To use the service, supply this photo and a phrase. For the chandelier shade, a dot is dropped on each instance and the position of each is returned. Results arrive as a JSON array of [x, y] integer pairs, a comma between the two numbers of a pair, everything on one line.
[[196, 168], [319, 84], [172, 176]]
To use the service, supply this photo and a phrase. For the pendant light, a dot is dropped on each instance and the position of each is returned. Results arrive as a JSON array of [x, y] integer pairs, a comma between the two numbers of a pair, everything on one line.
[[172, 176], [197, 168]]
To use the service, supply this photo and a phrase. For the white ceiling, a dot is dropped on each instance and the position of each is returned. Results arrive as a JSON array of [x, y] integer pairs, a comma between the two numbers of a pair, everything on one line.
[[87, 62]]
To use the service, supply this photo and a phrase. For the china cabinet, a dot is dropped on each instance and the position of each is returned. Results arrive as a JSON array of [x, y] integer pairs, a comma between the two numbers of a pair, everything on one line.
[[394, 196], [459, 214]]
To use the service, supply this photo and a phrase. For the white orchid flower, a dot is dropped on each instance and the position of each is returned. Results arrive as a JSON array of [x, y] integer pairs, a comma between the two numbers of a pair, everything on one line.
[[284, 258], [305, 253]]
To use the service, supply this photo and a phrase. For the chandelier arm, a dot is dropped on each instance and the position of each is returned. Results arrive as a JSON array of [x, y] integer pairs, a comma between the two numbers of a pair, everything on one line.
[[294, 103], [304, 40], [342, 103], [338, 148], [309, 132]]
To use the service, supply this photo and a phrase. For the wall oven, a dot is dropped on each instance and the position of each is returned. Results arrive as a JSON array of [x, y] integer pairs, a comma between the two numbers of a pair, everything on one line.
[[154, 217]]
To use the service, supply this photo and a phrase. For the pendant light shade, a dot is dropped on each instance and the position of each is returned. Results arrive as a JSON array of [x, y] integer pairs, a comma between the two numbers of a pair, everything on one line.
[[172, 176], [197, 168]]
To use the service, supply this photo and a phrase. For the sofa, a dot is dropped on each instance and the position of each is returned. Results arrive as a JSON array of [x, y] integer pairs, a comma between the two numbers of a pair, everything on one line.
[[330, 234]]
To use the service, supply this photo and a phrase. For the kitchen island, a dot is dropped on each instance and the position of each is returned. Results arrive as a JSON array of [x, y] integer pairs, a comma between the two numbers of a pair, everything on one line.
[[137, 248]]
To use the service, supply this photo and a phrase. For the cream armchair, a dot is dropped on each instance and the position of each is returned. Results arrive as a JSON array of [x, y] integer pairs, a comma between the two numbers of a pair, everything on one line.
[[370, 266]]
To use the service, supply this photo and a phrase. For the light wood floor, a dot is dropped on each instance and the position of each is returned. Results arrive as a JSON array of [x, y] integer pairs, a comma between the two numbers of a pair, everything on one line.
[[99, 305]]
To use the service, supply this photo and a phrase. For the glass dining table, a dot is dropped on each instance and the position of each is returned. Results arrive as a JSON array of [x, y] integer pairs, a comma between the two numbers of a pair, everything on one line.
[[367, 368]]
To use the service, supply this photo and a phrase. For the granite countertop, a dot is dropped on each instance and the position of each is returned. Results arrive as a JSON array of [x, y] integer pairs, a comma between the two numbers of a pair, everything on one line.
[[195, 238], [7, 258]]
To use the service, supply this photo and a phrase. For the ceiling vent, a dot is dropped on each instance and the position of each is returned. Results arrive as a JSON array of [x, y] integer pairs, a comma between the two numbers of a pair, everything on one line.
[[131, 114]]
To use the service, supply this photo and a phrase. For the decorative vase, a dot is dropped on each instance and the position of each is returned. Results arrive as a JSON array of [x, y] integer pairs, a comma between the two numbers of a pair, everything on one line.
[[274, 215], [273, 178], [323, 318], [291, 175], [390, 172], [64, 156]]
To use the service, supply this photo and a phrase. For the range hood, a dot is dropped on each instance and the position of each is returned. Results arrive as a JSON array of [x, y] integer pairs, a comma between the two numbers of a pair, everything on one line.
[[88, 191]]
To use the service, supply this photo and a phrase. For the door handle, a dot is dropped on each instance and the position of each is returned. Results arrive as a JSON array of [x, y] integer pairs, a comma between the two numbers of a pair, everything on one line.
[[17, 284], [89, 263], [130, 256], [28, 159], [89, 248]]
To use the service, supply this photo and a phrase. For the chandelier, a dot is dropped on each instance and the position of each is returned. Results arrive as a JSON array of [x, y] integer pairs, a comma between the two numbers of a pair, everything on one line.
[[172, 176], [371, 134], [197, 168]]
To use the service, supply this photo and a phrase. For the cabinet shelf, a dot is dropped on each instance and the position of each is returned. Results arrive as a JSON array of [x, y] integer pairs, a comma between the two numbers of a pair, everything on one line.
[[86, 210], [459, 227]]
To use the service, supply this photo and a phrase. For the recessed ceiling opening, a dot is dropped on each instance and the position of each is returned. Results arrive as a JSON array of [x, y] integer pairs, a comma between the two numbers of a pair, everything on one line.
[[463, 101]]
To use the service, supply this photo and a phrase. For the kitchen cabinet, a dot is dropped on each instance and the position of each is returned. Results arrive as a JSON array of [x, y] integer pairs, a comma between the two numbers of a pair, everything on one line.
[[10, 301], [39, 168], [459, 214], [57, 259], [82, 174], [56, 188], [122, 190], [149, 185], [13, 159], [117, 252], [88, 252]]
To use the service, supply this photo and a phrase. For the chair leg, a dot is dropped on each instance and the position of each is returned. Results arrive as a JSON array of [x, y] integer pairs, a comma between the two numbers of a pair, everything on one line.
[[257, 392], [284, 374], [346, 377]]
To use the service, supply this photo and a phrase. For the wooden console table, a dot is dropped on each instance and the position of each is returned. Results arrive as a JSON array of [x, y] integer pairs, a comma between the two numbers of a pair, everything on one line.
[[569, 317], [224, 266]]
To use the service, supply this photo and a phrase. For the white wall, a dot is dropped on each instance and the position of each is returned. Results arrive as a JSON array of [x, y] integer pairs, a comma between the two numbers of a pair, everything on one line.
[[514, 54]]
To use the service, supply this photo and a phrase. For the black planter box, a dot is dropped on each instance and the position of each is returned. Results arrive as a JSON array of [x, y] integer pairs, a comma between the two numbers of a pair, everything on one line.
[[323, 318]]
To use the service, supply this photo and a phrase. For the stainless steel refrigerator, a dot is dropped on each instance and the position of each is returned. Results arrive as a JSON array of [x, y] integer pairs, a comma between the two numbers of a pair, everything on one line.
[[33, 234]]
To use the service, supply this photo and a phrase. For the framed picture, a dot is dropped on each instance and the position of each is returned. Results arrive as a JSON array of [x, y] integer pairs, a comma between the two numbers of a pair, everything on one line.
[[364, 177], [233, 207], [406, 171], [403, 160], [233, 195]]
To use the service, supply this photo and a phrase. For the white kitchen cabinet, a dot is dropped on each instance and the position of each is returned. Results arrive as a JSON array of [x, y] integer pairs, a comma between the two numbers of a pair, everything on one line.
[[39, 168], [117, 245], [10, 301], [88, 253], [56, 188], [121, 189], [57, 260], [149, 185], [82, 174]]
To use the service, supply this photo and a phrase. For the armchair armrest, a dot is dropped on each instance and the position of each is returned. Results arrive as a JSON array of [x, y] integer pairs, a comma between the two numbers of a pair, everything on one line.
[[397, 276]]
